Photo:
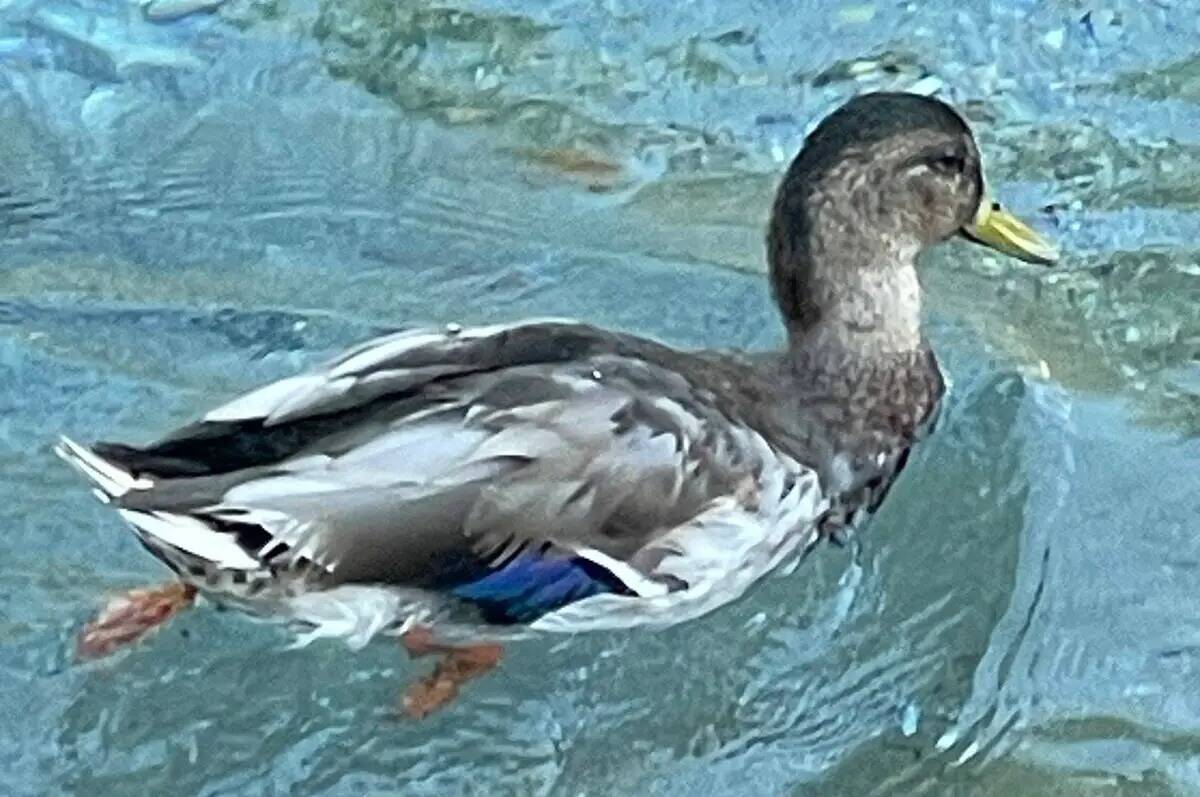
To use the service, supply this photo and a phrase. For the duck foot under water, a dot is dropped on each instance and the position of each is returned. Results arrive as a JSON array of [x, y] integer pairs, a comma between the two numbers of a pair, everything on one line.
[[130, 616], [458, 665]]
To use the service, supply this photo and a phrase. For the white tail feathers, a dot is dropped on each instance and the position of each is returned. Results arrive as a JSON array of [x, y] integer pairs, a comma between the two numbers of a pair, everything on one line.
[[192, 536], [111, 479], [166, 530]]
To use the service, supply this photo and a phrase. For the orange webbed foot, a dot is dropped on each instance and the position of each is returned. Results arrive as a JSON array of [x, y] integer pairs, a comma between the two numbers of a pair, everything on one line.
[[459, 664], [131, 616]]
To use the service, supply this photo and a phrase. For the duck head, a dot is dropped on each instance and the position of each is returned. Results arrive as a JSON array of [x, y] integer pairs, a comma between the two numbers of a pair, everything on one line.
[[878, 181]]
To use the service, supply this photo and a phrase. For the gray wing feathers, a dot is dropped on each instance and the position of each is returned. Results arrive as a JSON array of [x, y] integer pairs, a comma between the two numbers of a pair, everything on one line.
[[599, 452], [387, 365], [561, 474]]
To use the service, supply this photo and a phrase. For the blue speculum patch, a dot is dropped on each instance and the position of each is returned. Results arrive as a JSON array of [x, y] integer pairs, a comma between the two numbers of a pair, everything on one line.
[[532, 584]]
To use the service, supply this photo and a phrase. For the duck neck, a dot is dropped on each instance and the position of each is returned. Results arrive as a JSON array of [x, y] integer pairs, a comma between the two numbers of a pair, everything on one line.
[[859, 394], [842, 284], [856, 358], [871, 314]]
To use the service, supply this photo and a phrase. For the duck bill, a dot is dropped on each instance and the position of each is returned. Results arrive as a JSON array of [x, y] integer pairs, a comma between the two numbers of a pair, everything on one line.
[[996, 228]]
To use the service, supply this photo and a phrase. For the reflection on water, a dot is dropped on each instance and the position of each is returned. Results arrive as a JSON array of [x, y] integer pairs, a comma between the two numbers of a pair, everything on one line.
[[192, 207]]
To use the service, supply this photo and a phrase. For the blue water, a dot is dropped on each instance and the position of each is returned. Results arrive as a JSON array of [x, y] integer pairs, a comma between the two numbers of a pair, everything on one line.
[[194, 206]]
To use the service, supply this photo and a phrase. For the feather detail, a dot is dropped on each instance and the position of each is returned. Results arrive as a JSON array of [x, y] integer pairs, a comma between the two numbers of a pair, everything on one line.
[[489, 468], [112, 480]]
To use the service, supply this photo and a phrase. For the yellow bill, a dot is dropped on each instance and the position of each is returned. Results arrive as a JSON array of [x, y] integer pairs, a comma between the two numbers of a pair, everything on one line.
[[996, 228]]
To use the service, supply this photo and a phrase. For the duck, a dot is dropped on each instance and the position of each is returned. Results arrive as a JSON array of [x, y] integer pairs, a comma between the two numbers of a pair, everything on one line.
[[462, 487]]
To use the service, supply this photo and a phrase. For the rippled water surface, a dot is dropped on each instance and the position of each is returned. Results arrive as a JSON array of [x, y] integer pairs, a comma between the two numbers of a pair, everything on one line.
[[193, 204]]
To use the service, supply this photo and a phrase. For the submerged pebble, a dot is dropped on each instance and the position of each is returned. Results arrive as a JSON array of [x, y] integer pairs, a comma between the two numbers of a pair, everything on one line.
[[910, 719], [108, 46], [167, 10], [857, 14]]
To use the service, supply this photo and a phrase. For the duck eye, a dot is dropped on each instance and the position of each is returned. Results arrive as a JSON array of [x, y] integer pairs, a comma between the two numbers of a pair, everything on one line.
[[948, 164]]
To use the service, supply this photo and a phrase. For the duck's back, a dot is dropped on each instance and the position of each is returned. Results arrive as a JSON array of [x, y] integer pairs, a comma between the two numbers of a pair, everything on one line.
[[521, 468]]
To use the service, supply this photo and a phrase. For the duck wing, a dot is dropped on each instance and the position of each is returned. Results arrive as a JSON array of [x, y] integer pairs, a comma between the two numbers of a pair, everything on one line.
[[520, 467]]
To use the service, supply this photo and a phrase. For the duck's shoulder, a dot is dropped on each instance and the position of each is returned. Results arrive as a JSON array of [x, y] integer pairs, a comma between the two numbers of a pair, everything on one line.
[[884, 400], [420, 371], [405, 362]]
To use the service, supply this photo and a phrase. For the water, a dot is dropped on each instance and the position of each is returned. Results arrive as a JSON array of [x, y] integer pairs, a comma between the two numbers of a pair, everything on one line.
[[192, 207]]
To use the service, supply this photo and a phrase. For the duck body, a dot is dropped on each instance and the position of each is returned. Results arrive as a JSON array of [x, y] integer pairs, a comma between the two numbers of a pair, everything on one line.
[[541, 475], [552, 476]]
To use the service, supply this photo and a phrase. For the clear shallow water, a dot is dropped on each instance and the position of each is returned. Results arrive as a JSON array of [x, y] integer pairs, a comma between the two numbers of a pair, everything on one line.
[[191, 208]]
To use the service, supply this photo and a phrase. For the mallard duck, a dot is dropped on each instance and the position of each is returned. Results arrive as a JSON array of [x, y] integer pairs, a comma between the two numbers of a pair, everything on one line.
[[461, 485]]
